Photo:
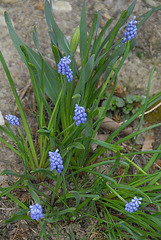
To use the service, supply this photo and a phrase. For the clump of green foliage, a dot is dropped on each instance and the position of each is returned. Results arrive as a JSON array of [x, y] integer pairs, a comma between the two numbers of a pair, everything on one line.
[[94, 187], [124, 106]]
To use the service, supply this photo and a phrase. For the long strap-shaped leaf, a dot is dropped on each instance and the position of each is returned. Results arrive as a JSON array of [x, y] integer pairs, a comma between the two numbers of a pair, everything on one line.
[[83, 32], [51, 75], [26, 126], [56, 32]]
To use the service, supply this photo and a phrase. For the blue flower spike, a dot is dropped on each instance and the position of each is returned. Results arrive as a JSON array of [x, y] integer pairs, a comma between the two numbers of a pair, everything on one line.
[[64, 68], [131, 31], [36, 211], [80, 116], [133, 205], [56, 161], [12, 119]]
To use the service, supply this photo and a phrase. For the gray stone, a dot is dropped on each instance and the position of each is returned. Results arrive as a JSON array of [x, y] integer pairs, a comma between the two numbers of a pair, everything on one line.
[[98, 6], [9, 1], [151, 3], [1, 119], [62, 6]]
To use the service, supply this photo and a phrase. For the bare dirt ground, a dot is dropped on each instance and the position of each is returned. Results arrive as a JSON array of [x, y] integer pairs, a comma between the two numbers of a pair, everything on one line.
[[133, 76]]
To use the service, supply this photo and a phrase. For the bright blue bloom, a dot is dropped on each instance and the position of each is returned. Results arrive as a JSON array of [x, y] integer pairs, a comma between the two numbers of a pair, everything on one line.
[[56, 161], [12, 119], [80, 115], [36, 211], [131, 30], [64, 68], [133, 205]]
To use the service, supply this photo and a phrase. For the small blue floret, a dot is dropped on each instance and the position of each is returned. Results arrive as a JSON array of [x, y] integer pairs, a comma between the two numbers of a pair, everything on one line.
[[56, 161], [133, 205], [12, 119], [80, 116], [64, 68], [36, 211]]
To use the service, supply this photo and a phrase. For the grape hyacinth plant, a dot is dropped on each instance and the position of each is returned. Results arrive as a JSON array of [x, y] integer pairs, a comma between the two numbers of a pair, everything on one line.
[[80, 116], [133, 205], [71, 164], [36, 211], [12, 119], [64, 68]]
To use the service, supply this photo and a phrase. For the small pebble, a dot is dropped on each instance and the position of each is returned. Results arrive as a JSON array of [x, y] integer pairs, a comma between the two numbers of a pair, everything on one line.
[[10, 1], [62, 6], [2, 122]]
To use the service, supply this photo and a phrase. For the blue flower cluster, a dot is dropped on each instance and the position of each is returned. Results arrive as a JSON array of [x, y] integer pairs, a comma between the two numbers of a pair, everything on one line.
[[12, 119], [133, 205], [64, 68], [80, 115], [131, 30], [36, 211], [56, 161]]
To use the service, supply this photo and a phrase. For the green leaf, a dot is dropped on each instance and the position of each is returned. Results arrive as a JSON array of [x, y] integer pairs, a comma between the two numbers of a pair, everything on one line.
[[111, 36], [17, 218], [89, 67], [81, 84], [139, 132], [129, 98], [46, 172], [60, 213], [72, 194], [77, 95], [7, 190], [36, 42], [33, 194], [48, 6], [75, 40], [83, 32], [56, 54], [44, 131], [89, 40], [99, 38], [10, 172], [148, 14], [51, 75], [77, 145], [115, 164], [19, 203], [106, 145], [58, 35], [119, 102]]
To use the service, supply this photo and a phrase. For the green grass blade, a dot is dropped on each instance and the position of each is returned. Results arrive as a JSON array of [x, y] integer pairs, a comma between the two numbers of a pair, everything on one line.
[[144, 106], [83, 32], [152, 160], [35, 59], [58, 35], [99, 39], [148, 14], [90, 40], [7, 190], [34, 163], [36, 42], [113, 147]]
